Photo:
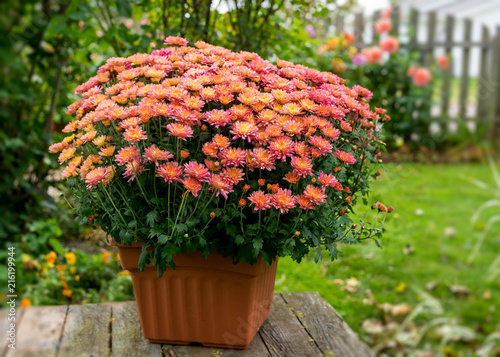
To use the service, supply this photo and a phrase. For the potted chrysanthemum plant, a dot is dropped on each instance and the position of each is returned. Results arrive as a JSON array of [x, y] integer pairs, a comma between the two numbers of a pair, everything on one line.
[[205, 166]]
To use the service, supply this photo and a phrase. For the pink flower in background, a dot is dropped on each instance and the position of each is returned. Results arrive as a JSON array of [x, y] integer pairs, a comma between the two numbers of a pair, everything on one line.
[[390, 44], [372, 54], [443, 62], [411, 71], [358, 59], [421, 77], [383, 25], [311, 31], [386, 13]]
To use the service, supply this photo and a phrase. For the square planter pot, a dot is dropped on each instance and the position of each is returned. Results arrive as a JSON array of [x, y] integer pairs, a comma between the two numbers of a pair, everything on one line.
[[210, 301]]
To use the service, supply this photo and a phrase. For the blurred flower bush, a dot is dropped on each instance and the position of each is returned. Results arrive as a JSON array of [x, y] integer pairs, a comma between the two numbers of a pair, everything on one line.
[[393, 73]]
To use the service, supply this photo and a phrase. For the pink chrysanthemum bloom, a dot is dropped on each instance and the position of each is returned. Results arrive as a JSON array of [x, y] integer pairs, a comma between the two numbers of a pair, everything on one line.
[[220, 186], [153, 154], [58, 147], [102, 175], [283, 200], [197, 170], [327, 180], [302, 166], [262, 159], [218, 118], [134, 134], [331, 132], [221, 141], [291, 177], [282, 147], [175, 40], [323, 145], [233, 175], [345, 126], [210, 149], [315, 194], [233, 156], [133, 169], [261, 200], [244, 130], [302, 149], [304, 202], [126, 155], [66, 154], [170, 171], [345, 157], [181, 131], [192, 185]]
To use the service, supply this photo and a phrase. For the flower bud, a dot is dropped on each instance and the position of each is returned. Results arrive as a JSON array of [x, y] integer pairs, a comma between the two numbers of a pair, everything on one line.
[[313, 180], [184, 154], [212, 214], [204, 127], [261, 182], [242, 202], [390, 209], [297, 233], [341, 212], [246, 188], [378, 173], [186, 235]]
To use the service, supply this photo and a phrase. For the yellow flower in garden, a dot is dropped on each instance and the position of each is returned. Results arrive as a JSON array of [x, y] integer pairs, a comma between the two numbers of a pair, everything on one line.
[[64, 284], [70, 258], [333, 43], [51, 257], [72, 270], [351, 51], [122, 273], [61, 268], [25, 302], [67, 292], [338, 65], [106, 257], [77, 277]]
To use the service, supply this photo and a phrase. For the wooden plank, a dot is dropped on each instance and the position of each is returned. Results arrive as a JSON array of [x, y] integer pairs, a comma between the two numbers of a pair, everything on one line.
[[283, 333], [86, 331], [414, 17], [395, 18], [329, 330], [359, 27], [464, 81], [126, 334], [431, 38], [40, 332], [339, 24], [484, 91], [446, 88], [495, 132], [375, 35]]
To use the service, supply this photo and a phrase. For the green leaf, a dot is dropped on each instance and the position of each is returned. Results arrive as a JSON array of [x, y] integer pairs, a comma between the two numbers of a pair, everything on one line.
[[143, 257], [258, 243], [239, 240], [126, 237], [162, 238], [58, 248], [124, 8], [152, 218]]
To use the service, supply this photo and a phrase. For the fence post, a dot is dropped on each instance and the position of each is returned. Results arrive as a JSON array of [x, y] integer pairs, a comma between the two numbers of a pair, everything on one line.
[[464, 81], [395, 13], [484, 89], [358, 29], [414, 15], [431, 36], [375, 18], [495, 132], [445, 91], [339, 24]]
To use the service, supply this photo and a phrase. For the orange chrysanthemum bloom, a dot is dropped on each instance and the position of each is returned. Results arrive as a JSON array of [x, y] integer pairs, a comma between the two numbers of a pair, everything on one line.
[[66, 154], [292, 177], [134, 134], [221, 141], [260, 200], [102, 175], [107, 151], [304, 202], [126, 155], [283, 200], [315, 194], [181, 131], [262, 159], [170, 171], [233, 175], [282, 147], [153, 154], [220, 185], [197, 170], [192, 185], [302, 166]]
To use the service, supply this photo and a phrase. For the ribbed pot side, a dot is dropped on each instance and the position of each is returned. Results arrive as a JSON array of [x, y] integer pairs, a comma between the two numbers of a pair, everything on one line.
[[207, 301]]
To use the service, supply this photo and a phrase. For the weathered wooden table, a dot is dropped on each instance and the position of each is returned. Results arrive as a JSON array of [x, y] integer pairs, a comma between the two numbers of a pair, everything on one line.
[[300, 324]]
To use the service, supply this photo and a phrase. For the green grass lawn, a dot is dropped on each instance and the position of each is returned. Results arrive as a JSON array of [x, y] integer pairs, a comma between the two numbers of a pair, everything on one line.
[[432, 203]]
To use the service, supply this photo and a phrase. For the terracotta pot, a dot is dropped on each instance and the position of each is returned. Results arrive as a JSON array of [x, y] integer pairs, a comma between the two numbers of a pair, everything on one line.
[[210, 301]]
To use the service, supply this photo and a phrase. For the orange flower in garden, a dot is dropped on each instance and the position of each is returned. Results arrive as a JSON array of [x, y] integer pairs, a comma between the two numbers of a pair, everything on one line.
[[372, 54], [192, 185], [383, 25], [345, 157], [220, 185], [181, 131], [102, 175], [302, 166], [51, 257], [389, 44], [153, 154], [134, 134], [196, 170], [70, 258], [283, 200], [304, 202], [233, 175], [260, 200], [421, 77], [25, 302], [348, 38], [315, 194], [170, 172], [67, 292]]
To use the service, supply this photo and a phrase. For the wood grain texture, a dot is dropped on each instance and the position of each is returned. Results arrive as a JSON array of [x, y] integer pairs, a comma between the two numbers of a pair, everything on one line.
[[126, 334], [284, 335], [86, 331], [39, 332], [328, 329]]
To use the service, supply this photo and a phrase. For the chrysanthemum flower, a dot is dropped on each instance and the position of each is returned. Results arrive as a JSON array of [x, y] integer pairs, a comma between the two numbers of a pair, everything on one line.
[[261, 200], [282, 147], [192, 185], [58, 147], [66, 154], [327, 180], [233, 156], [102, 175], [181, 131], [244, 130], [345, 157], [134, 134], [133, 169], [283, 200], [233, 174], [107, 151], [170, 171], [153, 154], [220, 186], [197, 170], [323, 145], [331, 132], [221, 141], [262, 159], [210, 149], [345, 126], [291, 177], [218, 118], [315, 194], [175, 40], [304, 202], [126, 155], [302, 166]]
